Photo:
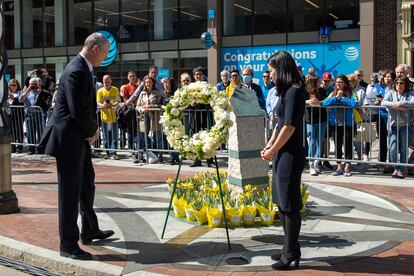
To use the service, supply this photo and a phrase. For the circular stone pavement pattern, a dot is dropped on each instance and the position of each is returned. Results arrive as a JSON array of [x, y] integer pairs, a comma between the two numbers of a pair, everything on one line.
[[342, 224]]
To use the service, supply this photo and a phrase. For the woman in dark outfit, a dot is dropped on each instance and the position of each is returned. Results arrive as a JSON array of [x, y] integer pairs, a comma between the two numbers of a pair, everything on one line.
[[286, 150]]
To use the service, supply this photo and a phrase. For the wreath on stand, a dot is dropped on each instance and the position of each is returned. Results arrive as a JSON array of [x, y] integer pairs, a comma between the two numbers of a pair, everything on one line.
[[204, 143]]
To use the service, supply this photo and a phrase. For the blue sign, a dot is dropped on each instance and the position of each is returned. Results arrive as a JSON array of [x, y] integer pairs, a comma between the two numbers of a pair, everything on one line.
[[207, 40], [211, 14], [163, 73], [113, 49], [335, 58]]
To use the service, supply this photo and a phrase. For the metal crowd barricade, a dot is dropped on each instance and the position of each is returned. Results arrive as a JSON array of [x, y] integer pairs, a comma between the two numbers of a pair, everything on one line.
[[371, 146], [26, 125]]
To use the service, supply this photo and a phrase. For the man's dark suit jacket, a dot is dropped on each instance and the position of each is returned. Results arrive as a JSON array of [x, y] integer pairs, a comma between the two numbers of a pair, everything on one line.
[[74, 114]]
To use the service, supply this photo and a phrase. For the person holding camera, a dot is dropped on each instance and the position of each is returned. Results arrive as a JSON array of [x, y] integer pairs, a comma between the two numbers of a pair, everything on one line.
[[34, 96], [43, 74], [108, 98]]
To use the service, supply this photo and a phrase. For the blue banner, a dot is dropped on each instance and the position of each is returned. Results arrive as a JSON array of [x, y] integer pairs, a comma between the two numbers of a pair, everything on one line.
[[335, 58]]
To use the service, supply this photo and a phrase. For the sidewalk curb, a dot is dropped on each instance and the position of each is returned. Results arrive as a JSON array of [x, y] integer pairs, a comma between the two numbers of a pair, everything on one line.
[[50, 260]]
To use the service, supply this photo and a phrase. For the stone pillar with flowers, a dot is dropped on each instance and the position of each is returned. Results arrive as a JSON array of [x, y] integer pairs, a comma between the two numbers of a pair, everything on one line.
[[246, 140]]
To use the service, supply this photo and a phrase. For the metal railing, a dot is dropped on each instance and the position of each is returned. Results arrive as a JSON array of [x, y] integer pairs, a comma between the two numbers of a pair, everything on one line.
[[139, 133]]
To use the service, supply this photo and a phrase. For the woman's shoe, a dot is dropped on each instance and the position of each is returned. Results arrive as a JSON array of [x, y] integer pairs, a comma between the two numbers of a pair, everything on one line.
[[284, 262], [337, 172]]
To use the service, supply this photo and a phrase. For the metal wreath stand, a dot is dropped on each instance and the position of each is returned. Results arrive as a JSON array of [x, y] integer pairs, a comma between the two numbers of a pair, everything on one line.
[[221, 197]]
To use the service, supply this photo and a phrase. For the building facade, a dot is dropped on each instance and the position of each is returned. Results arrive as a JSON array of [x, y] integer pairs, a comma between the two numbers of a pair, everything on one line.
[[330, 35]]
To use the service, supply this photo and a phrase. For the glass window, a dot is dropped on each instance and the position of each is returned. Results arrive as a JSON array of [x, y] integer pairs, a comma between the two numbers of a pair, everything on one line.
[[32, 24], [164, 19], [50, 23], [305, 15], [9, 24], [107, 15], [134, 21], [192, 59], [342, 14], [193, 18], [237, 17], [167, 63], [80, 21], [137, 62], [270, 16]]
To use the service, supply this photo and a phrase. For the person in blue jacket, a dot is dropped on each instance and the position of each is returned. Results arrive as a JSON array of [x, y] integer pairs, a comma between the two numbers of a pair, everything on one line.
[[342, 119]]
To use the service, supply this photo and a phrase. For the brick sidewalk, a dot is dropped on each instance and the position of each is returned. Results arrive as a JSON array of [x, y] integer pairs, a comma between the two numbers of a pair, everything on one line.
[[37, 222]]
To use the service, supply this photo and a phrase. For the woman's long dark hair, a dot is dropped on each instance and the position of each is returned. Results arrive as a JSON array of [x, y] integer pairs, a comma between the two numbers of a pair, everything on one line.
[[347, 86], [287, 73]]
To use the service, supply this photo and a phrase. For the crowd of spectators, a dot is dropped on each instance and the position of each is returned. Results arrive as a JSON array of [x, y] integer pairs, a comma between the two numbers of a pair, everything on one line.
[[336, 107]]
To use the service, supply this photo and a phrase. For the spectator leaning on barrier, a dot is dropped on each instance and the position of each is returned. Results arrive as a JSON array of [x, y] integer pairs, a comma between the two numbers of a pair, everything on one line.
[[267, 84], [170, 87], [34, 98], [201, 120], [107, 99], [343, 120], [127, 90], [315, 122], [149, 121], [400, 103], [15, 114], [225, 81], [327, 88]]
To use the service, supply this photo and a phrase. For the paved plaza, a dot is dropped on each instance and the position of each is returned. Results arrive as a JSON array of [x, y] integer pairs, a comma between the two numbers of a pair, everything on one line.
[[357, 225]]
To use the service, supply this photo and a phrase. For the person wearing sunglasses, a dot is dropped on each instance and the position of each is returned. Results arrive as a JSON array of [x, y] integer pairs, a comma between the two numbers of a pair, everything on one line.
[[16, 115], [267, 84], [235, 82], [399, 103], [34, 97]]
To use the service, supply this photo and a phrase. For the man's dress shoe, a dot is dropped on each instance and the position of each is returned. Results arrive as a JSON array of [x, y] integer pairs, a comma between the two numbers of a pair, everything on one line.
[[100, 235], [76, 254]]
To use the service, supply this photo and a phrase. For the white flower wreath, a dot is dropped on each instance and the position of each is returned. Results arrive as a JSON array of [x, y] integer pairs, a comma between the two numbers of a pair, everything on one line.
[[204, 143]]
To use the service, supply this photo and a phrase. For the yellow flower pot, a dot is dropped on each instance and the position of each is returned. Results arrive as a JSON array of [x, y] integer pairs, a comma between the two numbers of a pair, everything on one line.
[[179, 207], [215, 217], [249, 213], [201, 215]]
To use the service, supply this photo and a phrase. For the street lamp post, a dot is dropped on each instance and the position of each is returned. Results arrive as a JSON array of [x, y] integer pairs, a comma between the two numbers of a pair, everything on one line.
[[8, 199]]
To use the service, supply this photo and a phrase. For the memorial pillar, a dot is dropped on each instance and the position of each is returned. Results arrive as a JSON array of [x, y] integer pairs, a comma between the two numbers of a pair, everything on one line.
[[8, 200]]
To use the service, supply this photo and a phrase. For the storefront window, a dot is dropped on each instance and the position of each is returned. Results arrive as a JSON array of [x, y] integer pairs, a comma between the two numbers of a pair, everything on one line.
[[167, 63], [270, 17], [238, 17], [193, 18], [137, 62], [32, 23], [9, 24], [80, 21], [305, 15], [134, 21], [107, 15], [164, 19], [192, 59], [50, 23], [342, 14]]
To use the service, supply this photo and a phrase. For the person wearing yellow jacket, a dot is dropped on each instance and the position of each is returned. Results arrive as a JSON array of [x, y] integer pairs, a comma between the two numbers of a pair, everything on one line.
[[234, 83]]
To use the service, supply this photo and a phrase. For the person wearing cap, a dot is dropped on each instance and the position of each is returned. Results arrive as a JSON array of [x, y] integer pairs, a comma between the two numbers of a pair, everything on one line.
[[326, 84]]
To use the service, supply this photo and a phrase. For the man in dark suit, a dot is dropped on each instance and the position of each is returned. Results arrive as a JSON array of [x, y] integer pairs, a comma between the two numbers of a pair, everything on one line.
[[67, 138]]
